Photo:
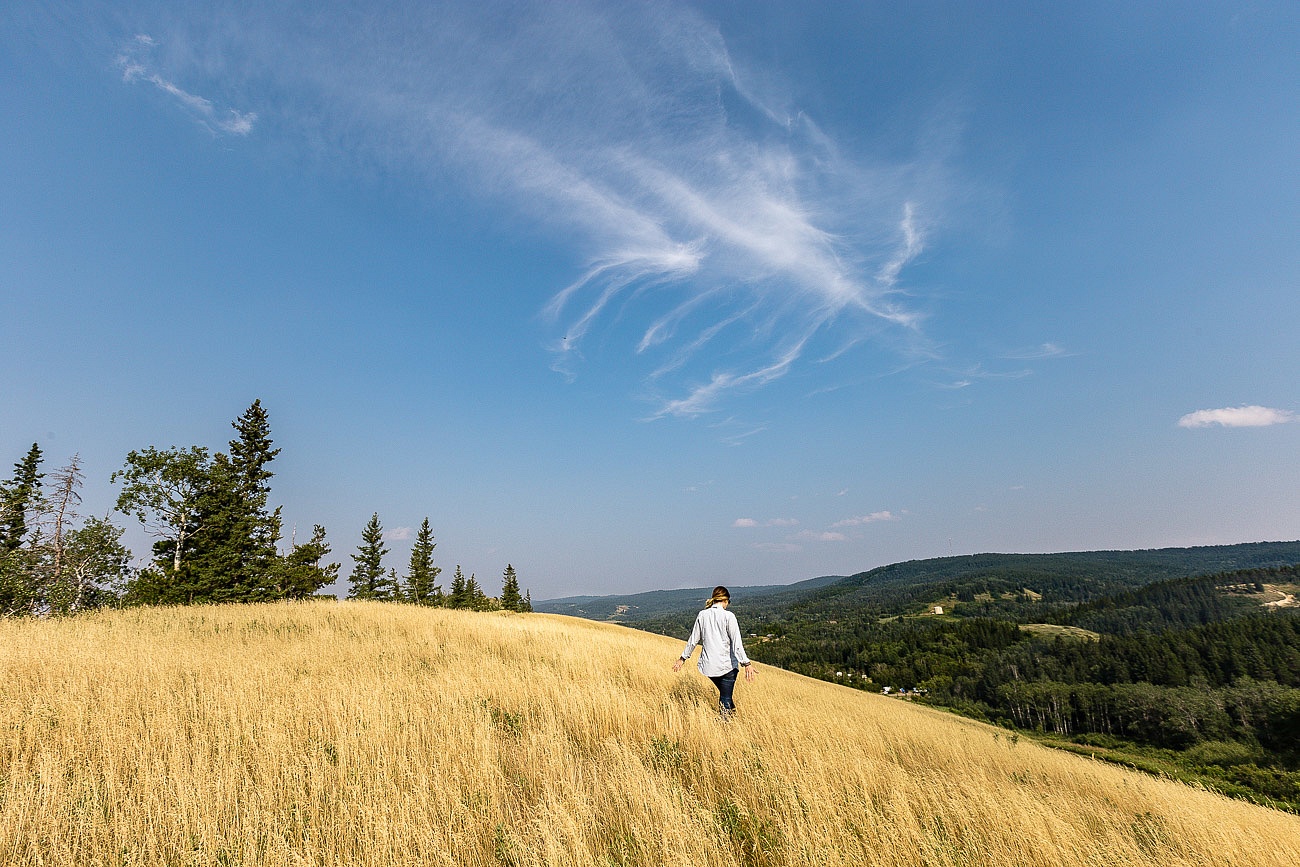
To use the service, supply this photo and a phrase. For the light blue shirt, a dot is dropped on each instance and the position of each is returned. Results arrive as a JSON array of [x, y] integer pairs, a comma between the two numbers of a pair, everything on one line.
[[717, 631]]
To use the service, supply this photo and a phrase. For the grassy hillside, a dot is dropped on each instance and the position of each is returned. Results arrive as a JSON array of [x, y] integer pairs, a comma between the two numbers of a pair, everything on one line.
[[369, 734]]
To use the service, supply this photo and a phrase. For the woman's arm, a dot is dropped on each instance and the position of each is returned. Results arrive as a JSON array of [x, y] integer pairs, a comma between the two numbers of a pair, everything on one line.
[[738, 646], [690, 646]]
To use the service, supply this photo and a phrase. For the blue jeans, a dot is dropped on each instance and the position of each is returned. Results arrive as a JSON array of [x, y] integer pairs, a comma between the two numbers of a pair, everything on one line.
[[726, 684]]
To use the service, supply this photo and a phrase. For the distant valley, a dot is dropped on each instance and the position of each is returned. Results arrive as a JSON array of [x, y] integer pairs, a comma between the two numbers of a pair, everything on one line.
[[1184, 662]]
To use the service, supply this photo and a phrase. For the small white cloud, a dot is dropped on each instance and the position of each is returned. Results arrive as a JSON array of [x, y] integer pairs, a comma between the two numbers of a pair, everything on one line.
[[1240, 416], [779, 547], [859, 520], [238, 123], [826, 536], [770, 522], [398, 534]]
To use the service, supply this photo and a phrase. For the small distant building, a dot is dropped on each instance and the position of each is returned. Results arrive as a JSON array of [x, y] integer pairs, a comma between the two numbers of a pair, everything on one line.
[[938, 609]]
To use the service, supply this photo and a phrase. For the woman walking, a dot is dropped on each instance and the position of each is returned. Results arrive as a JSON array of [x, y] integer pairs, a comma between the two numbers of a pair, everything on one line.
[[722, 654]]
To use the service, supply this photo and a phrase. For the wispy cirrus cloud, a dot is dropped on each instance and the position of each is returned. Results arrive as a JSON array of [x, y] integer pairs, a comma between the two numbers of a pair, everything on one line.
[[977, 373], [1240, 416], [725, 235], [134, 61], [1036, 353]]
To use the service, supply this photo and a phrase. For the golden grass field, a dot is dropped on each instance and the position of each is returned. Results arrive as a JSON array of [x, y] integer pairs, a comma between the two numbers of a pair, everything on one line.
[[369, 734]]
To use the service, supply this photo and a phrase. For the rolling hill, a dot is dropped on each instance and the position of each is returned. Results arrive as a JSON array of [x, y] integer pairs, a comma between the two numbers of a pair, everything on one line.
[[1054, 579], [380, 734], [627, 608]]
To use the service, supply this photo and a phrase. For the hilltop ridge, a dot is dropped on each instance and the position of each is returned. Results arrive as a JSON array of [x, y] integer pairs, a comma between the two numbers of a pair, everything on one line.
[[1076, 576]]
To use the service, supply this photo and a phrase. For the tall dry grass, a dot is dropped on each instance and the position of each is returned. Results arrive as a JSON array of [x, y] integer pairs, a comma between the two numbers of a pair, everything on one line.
[[369, 734]]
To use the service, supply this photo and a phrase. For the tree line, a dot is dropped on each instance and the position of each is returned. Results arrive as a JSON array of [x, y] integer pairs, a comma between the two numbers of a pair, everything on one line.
[[420, 583], [1193, 671], [216, 538]]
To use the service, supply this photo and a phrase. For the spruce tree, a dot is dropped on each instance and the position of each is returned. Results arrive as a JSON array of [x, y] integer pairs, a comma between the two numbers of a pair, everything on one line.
[[475, 600], [20, 495], [299, 574], [235, 556], [367, 576], [457, 598], [421, 574], [527, 605], [391, 590], [510, 599]]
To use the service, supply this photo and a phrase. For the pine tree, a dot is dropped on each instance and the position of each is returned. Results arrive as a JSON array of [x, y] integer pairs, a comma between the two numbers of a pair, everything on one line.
[[510, 599], [527, 605], [391, 590], [475, 600], [299, 574], [421, 574], [235, 555], [18, 496], [457, 598], [20, 563], [368, 574]]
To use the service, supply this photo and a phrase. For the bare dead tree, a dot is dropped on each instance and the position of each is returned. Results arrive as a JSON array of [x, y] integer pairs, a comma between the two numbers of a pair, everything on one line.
[[63, 504]]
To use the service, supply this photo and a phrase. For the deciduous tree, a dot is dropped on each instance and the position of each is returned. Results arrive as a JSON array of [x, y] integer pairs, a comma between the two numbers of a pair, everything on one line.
[[96, 567], [162, 490]]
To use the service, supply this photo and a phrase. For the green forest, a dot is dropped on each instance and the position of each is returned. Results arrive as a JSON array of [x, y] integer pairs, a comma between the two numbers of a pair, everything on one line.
[[1196, 677], [216, 538]]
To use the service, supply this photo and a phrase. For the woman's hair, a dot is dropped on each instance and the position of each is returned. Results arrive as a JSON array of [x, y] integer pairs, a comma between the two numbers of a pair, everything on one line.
[[720, 594]]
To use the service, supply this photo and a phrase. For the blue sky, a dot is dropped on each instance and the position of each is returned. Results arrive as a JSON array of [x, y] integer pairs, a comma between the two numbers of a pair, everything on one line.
[[658, 295]]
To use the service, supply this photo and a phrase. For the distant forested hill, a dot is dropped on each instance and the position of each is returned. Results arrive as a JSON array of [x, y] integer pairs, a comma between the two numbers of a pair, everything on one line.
[[1183, 661], [640, 607], [1019, 587]]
